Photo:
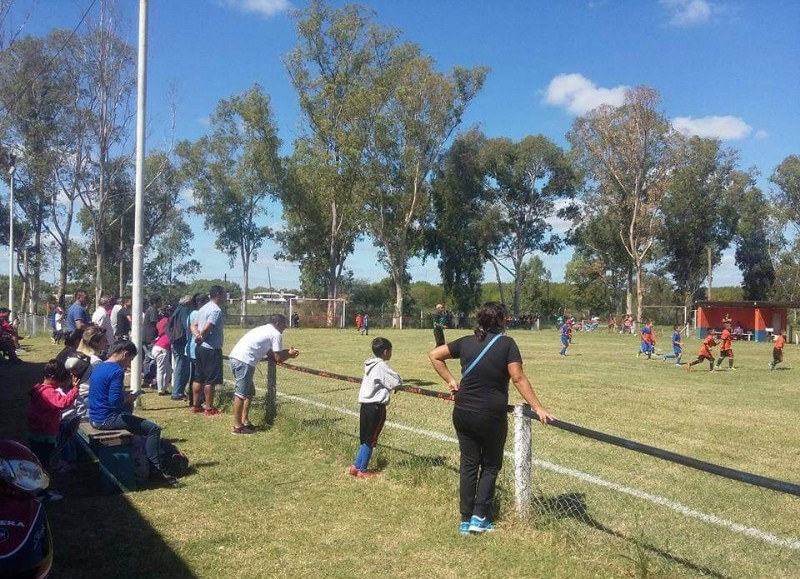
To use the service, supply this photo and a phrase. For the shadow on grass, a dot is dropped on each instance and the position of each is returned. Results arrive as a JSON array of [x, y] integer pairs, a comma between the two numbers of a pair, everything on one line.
[[93, 535], [420, 383], [573, 506]]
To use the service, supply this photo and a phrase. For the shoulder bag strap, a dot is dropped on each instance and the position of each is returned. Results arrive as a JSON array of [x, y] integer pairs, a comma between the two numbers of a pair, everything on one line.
[[481, 355]]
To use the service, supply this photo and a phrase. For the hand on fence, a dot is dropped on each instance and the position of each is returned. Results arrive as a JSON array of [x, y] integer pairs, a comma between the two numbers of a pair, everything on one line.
[[544, 416], [293, 353], [453, 386]]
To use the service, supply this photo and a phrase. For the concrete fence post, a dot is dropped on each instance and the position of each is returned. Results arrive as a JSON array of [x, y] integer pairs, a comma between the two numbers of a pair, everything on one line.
[[270, 407], [522, 461]]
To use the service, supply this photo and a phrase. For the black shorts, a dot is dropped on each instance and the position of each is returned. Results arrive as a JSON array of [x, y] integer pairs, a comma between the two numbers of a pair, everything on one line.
[[208, 364], [726, 353]]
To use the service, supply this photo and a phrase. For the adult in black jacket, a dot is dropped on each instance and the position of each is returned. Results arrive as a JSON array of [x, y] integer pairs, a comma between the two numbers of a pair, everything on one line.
[[480, 410]]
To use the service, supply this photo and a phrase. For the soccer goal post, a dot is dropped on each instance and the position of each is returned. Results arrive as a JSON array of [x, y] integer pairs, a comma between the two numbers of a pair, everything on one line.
[[318, 312], [669, 315]]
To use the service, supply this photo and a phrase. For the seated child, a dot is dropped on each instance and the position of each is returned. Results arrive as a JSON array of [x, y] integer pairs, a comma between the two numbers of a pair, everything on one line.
[[44, 415]]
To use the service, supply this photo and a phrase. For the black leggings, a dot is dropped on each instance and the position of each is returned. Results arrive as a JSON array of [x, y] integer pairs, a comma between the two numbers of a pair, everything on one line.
[[481, 440], [372, 418]]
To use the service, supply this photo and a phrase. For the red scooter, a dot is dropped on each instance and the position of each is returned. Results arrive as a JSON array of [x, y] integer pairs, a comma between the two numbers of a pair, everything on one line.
[[26, 545]]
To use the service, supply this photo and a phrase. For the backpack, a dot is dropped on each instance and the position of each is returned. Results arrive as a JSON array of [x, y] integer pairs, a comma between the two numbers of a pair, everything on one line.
[[176, 329]]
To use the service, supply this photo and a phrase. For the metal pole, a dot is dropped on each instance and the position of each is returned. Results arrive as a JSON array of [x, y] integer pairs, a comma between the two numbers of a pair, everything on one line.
[[270, 407], [136, 314], [11, 241], [522, 461]]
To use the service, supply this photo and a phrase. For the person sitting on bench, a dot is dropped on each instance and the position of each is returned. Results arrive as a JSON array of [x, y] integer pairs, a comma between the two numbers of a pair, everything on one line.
[[111, 407]]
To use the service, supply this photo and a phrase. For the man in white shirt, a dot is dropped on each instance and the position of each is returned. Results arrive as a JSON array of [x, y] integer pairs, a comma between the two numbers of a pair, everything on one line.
[[266, 340], [102, 316]]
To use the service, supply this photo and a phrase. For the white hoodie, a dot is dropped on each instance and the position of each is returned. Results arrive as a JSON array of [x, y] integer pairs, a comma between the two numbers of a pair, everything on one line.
[[378, 382]]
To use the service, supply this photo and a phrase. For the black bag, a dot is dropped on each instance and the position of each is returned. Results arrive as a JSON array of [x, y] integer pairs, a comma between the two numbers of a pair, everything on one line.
[[176, 328], [173, 460]]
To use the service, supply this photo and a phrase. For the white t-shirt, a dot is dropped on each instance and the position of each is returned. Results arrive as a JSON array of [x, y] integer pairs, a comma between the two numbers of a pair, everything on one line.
[[255, 344], [101, 319], [113, 319]]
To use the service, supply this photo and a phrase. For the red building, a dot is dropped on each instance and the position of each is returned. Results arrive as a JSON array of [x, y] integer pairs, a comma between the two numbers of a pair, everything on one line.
[[760, 319]]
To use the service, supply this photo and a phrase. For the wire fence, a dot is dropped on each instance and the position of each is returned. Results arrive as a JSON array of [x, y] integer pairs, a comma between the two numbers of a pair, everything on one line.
[[646, 506]]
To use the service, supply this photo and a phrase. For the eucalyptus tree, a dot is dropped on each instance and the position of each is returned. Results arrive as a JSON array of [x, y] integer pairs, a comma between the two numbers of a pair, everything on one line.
[[699, 213], [45, 128], [601, 260], [627, 155], [337, 69], [463, 224], [752, 238], [424, 107], [532, 182], [108, 76], [785, 239], [234, 172]]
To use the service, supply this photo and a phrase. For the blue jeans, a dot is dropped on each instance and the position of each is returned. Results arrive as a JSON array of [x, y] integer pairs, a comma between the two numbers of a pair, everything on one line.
[[141, 426], [181, 368]]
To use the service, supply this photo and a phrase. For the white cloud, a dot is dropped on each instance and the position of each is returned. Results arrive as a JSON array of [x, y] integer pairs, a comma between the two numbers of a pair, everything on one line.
[[578, 94], [689, 12], [761, 134], [263, 7], [725, 128]]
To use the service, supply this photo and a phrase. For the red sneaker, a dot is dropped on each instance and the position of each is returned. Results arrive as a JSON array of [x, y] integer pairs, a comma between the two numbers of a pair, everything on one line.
[[351, 470], [365, 475], [211, 412]]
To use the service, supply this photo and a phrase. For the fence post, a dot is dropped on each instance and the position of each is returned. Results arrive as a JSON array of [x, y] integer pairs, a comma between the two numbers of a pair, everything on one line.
[[522, 461], [270, 408]]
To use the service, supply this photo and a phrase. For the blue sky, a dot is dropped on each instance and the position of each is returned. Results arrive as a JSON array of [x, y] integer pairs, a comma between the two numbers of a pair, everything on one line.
[[726, 69]]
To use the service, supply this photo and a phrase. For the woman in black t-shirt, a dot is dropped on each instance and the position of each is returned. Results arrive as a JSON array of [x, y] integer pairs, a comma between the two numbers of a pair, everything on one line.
[[488, 360]]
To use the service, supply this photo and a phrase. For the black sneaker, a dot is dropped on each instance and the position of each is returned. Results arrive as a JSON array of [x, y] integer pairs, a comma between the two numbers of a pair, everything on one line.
[[167, 478]]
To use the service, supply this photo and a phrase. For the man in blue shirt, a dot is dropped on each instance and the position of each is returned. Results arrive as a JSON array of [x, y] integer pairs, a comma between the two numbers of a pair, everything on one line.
[[111, 407], [77, 316], [207, 333], [566, 336]]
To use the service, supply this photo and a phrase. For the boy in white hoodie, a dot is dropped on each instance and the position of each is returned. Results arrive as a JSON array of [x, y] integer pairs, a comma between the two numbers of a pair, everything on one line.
[[376, 387]]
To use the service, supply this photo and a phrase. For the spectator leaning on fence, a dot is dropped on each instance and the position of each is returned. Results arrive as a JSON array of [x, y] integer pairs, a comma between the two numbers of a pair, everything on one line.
[[266, 340], [376, 387], [488, 360]]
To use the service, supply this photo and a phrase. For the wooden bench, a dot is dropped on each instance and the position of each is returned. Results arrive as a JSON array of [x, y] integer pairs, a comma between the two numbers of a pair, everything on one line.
[[112, 450]]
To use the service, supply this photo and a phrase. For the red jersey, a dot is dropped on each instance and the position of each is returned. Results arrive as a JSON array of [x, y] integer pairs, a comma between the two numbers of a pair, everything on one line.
[[779, 342], [726, 340], [708, 343]]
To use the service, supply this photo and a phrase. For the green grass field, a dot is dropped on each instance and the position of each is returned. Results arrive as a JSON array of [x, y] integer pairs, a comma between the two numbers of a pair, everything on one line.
[[277, 504]]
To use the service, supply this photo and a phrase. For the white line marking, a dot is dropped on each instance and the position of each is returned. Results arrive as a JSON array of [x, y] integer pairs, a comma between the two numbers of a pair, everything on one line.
[[793, 544]]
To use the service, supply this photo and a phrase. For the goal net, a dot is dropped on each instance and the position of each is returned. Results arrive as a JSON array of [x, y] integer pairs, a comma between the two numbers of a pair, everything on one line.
[[318, 312]]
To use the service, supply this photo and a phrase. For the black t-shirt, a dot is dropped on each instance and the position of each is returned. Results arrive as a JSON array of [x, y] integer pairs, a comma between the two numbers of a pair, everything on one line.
[[485, 388], [123, 323], [149, 333]]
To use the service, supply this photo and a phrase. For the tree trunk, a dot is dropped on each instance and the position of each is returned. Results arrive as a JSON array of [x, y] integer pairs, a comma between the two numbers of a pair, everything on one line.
[[629, 293], [499, 283], [639, 292], [397, 318], [245, 286]]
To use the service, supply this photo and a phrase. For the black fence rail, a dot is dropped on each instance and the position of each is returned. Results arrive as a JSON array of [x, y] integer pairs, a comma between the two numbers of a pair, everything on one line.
[[687, 461]]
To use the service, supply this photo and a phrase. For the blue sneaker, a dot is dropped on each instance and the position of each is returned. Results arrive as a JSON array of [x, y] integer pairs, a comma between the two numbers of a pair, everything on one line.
[[480, 525], [463, 528]]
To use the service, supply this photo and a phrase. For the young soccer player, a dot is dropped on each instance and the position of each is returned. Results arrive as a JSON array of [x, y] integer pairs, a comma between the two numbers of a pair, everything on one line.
[[777, 350], [376, 387], [677, 347], [648, 341], [725, 349], [705, 352], [566, 336]]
